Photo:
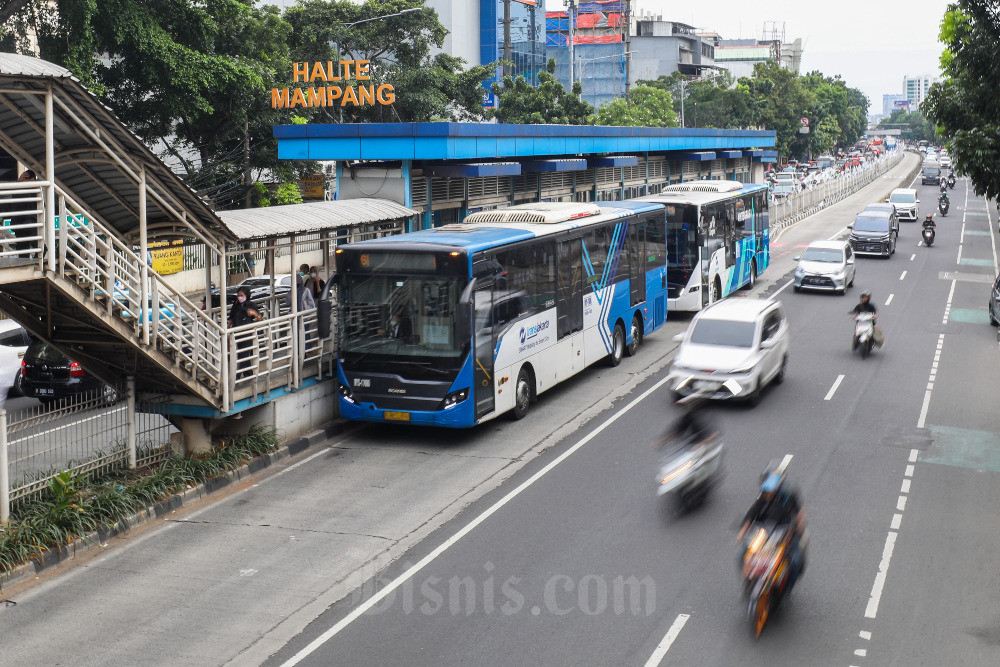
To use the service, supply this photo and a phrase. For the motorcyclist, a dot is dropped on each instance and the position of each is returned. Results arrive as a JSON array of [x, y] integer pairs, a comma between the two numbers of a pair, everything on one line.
[[865, 305], [777, 502], [929, 221], [692, 428], [944, 202]]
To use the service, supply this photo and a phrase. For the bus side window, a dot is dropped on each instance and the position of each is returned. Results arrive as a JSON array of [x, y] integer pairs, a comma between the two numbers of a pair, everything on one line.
[[656, 243], [569, 301]]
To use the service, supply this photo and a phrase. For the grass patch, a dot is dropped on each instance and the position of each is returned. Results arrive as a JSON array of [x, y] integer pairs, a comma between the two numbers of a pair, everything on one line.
[[75, 505]]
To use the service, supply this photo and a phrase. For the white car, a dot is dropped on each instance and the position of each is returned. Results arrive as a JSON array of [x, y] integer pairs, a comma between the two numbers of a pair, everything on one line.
[[825, 265], [732, 349], [944, 161], [15, 338]]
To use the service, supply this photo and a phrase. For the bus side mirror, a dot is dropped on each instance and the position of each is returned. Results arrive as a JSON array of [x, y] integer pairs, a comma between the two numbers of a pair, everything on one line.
[[463, 328], [323, 310]]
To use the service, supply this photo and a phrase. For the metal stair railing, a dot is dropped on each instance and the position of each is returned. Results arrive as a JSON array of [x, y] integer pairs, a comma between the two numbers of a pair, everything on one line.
[[97, 260]]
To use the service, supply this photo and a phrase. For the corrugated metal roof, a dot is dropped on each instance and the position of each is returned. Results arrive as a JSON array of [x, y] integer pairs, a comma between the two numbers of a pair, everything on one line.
[[94, 154], [257, 223]]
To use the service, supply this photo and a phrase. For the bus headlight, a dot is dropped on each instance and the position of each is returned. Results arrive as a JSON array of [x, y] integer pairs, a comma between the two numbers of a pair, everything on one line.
[[454, 398], [346, 392]]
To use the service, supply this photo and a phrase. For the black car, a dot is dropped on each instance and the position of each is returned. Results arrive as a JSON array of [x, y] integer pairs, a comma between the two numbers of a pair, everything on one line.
[[260, 289], [874, 233], [994, 307], [48, 375]]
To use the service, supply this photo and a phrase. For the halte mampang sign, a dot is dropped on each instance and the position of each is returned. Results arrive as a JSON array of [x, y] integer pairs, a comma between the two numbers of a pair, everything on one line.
[[349, 90]]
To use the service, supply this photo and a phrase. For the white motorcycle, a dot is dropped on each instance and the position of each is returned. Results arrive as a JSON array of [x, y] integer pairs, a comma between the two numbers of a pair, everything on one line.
[[690, 472], [865, 336]]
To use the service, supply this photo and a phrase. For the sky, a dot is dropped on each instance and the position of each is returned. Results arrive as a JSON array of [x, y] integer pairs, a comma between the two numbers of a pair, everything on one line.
[[871, 44]]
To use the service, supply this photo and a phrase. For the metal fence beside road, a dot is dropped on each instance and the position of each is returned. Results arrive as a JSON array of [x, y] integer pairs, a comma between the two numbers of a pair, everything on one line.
[[83, 435], [803, 204]]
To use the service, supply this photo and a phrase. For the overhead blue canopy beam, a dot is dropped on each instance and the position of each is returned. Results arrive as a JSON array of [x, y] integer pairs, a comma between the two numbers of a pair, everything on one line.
[[696, 156], [753, 152], [480, 170], [573, 164], [614, 161], [730, 154]]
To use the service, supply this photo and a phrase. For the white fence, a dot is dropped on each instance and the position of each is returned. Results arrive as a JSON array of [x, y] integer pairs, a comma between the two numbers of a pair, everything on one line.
[[793, 208], [90, 433]]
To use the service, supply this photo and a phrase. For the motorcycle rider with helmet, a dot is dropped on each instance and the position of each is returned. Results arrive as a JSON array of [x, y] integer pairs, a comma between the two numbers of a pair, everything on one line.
[[692, 428], [779, 503], [865, 305], [944, 203]]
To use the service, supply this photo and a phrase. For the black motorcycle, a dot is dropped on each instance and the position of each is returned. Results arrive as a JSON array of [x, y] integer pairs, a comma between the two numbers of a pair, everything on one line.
[[951, 181], [928, 231], [943, 204]]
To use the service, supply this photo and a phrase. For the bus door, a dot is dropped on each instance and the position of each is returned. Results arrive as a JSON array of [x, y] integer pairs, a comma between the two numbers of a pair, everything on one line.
[[482, 372], [636, 261]]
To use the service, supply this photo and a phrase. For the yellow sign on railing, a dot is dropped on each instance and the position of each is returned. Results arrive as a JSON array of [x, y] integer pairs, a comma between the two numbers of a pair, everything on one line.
[[168, 257]]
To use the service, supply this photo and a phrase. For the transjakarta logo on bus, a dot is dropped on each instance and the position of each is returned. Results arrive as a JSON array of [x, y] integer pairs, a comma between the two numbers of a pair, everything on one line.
[[533, 330]]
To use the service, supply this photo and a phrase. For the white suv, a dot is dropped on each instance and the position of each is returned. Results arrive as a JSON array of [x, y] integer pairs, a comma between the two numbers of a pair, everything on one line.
[[905, 201], [732, 349]]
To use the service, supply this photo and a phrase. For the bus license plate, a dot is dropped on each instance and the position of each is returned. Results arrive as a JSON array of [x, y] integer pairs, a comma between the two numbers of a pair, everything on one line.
[[397, 416]]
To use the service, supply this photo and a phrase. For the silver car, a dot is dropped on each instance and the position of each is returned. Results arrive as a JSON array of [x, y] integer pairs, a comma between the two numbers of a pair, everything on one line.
[[732, 349], [825, 265]]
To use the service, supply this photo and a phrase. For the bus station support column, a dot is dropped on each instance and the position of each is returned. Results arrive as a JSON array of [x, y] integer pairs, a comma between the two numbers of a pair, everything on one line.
[[645, 190], [49, 234], [428, 220]]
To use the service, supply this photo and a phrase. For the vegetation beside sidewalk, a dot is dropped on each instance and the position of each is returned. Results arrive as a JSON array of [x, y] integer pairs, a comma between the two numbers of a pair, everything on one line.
[[75, 505]]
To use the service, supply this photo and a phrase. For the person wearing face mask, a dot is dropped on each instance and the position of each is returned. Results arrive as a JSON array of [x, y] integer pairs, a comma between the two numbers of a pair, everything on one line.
[[314, 283], [243, 312]]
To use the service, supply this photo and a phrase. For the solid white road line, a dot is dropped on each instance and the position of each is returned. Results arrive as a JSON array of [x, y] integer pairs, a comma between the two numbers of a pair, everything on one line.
[[668, 639], [902, 276], [923, 410], [837, 235], [468, 528], [783, 288], [993, 238], [883, 569], [79, 421], [833, 389], [958, 259], [889, 300]]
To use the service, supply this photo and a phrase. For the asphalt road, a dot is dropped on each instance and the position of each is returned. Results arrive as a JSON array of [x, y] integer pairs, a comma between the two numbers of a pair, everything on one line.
[[584, 566], [613, 573]]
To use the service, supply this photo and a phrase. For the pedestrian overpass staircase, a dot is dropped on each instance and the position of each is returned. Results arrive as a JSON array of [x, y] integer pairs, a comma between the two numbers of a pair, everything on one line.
[[104, 307]]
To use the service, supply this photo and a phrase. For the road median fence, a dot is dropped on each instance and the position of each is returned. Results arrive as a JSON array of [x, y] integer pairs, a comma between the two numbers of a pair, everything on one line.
[[90, 434], [790, 210]]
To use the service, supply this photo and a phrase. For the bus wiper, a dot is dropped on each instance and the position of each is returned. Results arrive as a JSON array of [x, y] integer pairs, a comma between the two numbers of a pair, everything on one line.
[[427, 365], [380, 344]]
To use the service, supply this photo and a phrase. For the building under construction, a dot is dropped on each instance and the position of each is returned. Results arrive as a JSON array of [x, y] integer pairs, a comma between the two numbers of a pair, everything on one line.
[[598, 43]]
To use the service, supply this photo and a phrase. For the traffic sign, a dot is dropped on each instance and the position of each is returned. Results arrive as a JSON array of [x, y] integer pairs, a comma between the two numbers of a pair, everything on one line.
[[804, 122]]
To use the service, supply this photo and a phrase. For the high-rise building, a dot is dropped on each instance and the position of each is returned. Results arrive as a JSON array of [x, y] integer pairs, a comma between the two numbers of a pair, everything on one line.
[[600, 32], [660, 48], [477, 33], [894, 101], [915, 88], [739, 56]]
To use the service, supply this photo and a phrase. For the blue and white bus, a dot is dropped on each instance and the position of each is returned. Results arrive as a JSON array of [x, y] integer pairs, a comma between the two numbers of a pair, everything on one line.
[[455, 325], [718, 239]]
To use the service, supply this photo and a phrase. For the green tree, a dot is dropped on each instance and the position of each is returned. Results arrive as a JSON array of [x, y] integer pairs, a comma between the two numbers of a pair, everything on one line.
[[965, 106], [191, 79], [644, 106], [549, 102], [914, 125], [427, 87]]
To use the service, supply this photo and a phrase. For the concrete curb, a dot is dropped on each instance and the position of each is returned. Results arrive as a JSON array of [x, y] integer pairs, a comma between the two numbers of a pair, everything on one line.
[[53, 557]]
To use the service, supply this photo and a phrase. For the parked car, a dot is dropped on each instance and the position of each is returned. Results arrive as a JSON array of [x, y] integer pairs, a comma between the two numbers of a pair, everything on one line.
[[14, 336], [732, 349], [825, 265], [48, 375], [874, 233], [905, 203], [260, 289]]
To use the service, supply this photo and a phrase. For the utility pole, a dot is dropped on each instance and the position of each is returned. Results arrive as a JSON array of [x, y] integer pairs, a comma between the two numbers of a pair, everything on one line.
[[628, 44], [507, 49], [682, 103], [247, 199], [571, 13]]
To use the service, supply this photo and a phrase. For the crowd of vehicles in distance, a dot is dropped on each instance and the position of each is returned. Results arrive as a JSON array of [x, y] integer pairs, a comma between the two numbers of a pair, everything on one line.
[[505, 305], [904, 201], [825, 265], [874, 232], [732, 349]]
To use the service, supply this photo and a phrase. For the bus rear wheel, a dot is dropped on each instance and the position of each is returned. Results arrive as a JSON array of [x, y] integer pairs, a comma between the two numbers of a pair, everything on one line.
[[523, 393], [633, 347], [617, 345]]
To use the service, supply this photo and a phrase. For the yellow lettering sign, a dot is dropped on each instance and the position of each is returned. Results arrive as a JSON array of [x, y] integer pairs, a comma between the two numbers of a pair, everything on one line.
[[350, 97], [318, 72], [322, 96], [302, 71], [316, 97], [385, 94], [361, 70], [279, 98]]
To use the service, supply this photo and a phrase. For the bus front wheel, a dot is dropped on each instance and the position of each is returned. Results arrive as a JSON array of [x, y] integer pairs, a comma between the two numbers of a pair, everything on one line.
[[716, 291], [617, 345], [523, 391], [633, 347]]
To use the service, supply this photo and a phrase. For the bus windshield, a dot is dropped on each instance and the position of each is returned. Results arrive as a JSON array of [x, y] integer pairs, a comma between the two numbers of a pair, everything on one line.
[[400, 323], [682, 235]]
